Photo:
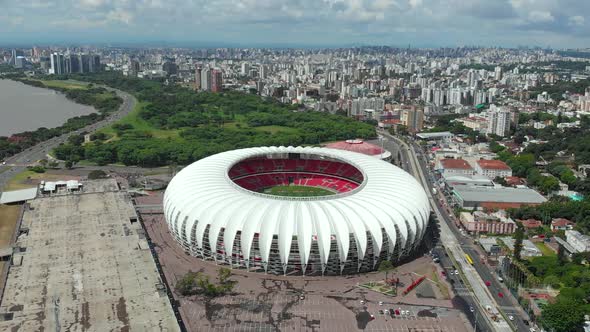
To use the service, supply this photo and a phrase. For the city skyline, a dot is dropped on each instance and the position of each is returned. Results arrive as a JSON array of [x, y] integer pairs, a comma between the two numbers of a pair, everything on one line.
[[221, 23]]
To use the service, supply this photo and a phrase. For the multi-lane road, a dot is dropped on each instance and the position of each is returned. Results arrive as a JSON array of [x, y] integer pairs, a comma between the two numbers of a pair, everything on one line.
[[475, 293], [20, 161], [505, 302]]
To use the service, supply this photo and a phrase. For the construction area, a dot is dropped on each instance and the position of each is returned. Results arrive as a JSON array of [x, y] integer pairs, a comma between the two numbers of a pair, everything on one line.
[[81, 262]]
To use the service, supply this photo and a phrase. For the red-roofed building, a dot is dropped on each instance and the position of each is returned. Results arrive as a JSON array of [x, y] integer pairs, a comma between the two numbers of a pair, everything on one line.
[[514, 181], [359, 146], [450, 166], [561, 224], [493, 168], [531, 223]]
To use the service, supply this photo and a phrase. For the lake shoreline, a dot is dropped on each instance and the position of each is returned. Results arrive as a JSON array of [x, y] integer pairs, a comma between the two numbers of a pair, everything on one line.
[[23, 108]]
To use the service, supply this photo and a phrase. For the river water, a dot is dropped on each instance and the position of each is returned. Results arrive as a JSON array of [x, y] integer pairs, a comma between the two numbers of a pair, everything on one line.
[[24, 107]]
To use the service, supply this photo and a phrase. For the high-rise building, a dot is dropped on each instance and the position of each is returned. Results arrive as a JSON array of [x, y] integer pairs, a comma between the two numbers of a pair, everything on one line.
[[71, 64], [498, 121], [170, 68], [412, 118], [216, 80], [57, 64], [15, 54], [20, 62], [498, 73], [263, 72], [245, 69], [198, 78], [206, 79]]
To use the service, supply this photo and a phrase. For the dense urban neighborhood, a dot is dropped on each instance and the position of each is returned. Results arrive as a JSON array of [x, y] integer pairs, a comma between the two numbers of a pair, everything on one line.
[[497, 138]]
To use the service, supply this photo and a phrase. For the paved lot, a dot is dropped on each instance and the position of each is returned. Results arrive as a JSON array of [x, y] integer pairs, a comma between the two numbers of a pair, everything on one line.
[[275, 303], [84, 265]]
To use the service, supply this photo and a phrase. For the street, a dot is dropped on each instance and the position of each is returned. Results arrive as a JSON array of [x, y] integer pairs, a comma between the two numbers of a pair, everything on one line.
[[412, 162]]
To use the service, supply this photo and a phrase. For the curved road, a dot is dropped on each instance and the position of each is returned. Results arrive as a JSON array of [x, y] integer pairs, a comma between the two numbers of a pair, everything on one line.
[[20, 161]]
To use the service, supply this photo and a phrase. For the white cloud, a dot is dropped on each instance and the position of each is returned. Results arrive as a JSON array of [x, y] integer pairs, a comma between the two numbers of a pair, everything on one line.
[[576, 20], [538, 16], [443, 22]]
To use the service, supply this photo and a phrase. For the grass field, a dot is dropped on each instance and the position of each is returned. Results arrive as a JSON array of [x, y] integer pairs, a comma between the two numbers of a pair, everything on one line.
[[298, 191], [138, 123], [8, 219], [546, 251], [65, 84], [30, 179]]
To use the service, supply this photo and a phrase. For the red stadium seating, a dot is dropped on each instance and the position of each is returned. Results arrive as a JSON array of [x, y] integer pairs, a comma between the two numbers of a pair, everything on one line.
[[259, 174]]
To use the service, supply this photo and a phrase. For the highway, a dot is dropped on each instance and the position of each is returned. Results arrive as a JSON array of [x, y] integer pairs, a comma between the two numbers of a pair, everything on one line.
[[20, 161], [482, 298]]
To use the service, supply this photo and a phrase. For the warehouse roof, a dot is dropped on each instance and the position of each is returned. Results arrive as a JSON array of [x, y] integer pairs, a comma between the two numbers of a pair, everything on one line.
[[14, 196], [499, 194]]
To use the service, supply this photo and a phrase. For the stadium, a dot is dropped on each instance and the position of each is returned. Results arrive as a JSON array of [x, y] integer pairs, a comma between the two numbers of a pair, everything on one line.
[[296, 210]]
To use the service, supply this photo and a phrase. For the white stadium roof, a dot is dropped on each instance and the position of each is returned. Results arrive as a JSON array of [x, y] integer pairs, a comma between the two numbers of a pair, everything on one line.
[[388, 199]]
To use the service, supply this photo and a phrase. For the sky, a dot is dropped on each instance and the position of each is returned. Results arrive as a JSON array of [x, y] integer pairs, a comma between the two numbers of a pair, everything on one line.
[[330, 23]]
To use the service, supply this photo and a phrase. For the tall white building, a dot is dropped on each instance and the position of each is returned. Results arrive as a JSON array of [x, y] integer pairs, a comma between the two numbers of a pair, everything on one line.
[[57, 64], [498, 121], [206, 79], [245, 69]]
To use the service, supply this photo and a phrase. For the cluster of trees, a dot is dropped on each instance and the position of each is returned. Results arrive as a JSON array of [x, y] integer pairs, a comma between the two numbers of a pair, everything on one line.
[[201, 120], [197, 283], [573, 281], [523, 165], [101, 99], [557, 90], [557, 207]]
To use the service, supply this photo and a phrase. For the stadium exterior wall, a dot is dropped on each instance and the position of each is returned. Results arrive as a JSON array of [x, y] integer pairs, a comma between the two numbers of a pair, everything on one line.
[[215, 219]]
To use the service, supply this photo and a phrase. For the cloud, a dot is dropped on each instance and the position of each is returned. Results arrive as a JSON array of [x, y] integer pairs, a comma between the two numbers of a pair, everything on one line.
[[541, 16], [435, 22], [576, 20]]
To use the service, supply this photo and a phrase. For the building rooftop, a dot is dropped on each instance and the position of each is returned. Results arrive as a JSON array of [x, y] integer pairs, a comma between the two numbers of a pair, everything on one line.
[[14, 196], [438, 135], [449, 163], [493, 164], [499, 194], [87, 266]]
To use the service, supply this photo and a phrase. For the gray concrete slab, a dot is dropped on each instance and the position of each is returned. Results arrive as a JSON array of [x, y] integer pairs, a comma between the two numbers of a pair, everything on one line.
[[84, 268]]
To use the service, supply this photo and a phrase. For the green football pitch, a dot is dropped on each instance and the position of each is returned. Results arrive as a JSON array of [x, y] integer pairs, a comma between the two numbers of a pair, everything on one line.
[[298, 191]]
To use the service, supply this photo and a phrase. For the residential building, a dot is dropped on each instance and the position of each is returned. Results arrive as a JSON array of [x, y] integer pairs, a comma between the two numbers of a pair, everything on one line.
[[492, 168], [413, 119], [206, 79], [481, 222], [448, 167], [216, 80], [529, 224], [578, 241], [476, 123], [498, 121], [198, 78], [561, 224], [57, 64]]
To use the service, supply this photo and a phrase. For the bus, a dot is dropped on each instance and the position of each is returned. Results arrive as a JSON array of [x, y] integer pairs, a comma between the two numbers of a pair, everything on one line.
[[468, 259]]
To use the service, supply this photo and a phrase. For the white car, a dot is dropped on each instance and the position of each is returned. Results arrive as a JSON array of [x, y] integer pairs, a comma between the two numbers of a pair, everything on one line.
[[511, 317], [457, 272], [380, 302]]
